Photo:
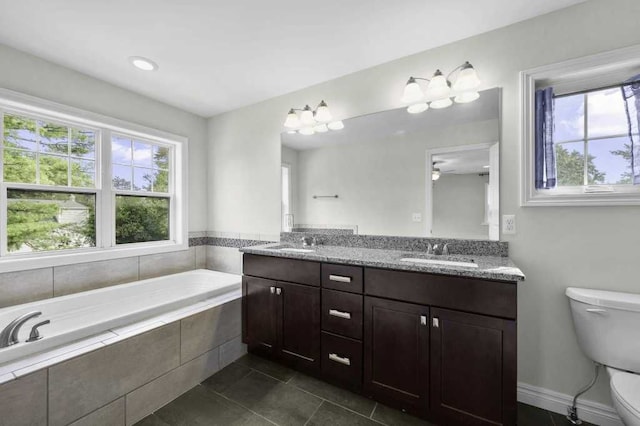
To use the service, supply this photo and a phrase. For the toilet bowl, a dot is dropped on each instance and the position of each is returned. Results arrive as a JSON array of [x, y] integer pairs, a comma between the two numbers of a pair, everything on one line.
[[607, 324], [625, 393]]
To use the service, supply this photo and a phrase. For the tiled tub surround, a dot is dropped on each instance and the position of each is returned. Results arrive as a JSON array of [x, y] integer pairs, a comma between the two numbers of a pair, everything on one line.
[[121, 375], [38, 284], [489, 267], [85, 314]]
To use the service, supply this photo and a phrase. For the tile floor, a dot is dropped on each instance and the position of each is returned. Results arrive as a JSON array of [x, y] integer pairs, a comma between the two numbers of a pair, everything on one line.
[[253, 391]]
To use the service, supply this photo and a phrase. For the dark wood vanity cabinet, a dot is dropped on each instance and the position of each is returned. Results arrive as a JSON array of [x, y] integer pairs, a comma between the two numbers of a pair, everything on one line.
[[440, 347]]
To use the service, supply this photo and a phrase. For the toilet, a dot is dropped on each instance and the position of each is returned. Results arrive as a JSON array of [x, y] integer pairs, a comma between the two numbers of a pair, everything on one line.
[[607, 324]]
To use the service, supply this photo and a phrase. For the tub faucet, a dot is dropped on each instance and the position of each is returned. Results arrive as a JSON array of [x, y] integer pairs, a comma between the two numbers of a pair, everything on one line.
[[9, 336]]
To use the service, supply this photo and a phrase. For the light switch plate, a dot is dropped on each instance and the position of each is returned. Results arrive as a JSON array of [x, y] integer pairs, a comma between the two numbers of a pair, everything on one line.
[[508, 224], [417, 217]]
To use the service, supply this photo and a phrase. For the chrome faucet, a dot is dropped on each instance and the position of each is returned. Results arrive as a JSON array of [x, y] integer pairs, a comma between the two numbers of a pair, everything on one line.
[[308, 241], [444, 251], [9, 336]]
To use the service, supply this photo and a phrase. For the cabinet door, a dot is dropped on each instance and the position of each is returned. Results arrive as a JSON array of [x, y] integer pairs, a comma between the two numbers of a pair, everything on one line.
[[473, 369], [396, 348], [299, 325], [259, 314]]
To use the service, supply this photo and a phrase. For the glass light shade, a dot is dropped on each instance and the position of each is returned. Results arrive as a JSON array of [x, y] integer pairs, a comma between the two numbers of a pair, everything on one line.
[[467, 79], [418, 108], [466, 97], [321, 128], [435, 174], [307, 131], [412, 92], [441, 103], [292, 120], [323, 115], [336, 125], [306, 117], [438, 87]]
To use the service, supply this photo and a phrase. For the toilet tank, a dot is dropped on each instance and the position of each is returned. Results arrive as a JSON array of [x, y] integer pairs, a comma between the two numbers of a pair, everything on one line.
[[607, 324]]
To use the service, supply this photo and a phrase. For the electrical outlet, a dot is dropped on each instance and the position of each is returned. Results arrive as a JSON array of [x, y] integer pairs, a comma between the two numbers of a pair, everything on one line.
[[508, 224], [417, 217]]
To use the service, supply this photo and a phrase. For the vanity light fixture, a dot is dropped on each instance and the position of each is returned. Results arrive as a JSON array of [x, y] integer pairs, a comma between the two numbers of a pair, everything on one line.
[[308, 122], [441, 89], [142, 63]]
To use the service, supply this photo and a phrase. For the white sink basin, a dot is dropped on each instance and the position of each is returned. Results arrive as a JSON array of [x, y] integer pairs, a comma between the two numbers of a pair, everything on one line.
[[439, 262], [296, 250]]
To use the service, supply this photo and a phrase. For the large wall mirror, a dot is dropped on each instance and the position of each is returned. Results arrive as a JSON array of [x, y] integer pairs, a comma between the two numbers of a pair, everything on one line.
[[433, 174]]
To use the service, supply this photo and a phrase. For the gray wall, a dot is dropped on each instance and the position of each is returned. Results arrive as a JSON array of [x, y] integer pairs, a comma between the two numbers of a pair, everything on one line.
[[459, 205], [380, 183], [556, 247]]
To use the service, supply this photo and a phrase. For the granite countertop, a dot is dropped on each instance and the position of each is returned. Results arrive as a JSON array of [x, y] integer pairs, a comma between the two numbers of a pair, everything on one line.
[[489, 267]]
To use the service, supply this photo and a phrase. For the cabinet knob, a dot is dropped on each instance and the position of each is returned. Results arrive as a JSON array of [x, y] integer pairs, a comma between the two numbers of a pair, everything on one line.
[[278, 291], [423, 320], [272, 289], [436, 322]]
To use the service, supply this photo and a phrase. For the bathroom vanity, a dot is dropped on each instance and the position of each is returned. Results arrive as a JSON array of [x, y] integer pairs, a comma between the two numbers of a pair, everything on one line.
[[435, 340]]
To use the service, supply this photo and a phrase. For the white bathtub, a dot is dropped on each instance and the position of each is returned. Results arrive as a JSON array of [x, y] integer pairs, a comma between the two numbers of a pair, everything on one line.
[[78, 316]]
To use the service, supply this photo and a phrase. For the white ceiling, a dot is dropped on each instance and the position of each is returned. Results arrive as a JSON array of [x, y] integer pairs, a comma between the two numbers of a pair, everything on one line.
[[216, 56]]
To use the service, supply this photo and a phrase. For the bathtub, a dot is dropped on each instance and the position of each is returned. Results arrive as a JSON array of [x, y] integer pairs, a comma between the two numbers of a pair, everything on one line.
[[81, 315]]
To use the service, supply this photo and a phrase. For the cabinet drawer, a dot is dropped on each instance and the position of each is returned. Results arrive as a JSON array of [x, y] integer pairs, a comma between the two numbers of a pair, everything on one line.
[[496, 298], [282, 269], [342, 277], [342, 360], [342, 313]]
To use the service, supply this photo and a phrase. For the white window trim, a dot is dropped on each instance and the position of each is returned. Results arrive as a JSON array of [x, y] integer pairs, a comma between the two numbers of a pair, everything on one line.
[[30, 105], [589, 71]]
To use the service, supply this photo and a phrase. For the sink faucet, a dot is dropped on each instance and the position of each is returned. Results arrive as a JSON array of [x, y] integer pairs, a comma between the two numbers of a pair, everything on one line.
[[309, 241], [444, 251], [9, 336]]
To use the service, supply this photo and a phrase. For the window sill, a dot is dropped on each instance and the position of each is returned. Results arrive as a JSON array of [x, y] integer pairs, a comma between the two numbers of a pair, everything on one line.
[[51, 259], [552, 198]]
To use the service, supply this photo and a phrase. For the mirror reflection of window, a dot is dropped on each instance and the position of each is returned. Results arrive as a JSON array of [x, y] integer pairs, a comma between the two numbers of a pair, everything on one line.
[[287, 217]]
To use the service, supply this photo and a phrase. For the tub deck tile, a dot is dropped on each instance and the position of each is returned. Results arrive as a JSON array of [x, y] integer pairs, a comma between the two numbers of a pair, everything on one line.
[[58, 359]]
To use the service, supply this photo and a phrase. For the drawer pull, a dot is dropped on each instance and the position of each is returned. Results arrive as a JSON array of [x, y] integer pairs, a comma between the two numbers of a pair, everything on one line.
[[339, 278], [339, 359], [339, 314]]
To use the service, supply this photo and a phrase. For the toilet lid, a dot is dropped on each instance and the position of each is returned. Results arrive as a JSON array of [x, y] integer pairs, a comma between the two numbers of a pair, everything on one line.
[[626, 388]]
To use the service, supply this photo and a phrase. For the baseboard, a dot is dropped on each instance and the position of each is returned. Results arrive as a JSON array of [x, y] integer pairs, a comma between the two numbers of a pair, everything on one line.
[[588, 411]]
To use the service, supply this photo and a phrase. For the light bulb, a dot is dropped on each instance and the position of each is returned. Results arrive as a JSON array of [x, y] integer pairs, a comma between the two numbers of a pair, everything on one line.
[[306, 117], [435, 174], [438, 87], [467, 79], [292, 121], [323, 115], [144, 64], [418, 108], [321, 128], [466, 97], [412, 92], [307, 131], [441, 103], [336, 125]]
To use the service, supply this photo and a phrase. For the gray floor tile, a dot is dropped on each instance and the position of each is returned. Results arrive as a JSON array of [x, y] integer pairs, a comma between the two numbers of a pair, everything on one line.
[[227, 377], [267, 367], [334, 394], [152, 420], [201, 406], [393, 417], [331, 414], [561, 420], [533, 416], [281, 403]]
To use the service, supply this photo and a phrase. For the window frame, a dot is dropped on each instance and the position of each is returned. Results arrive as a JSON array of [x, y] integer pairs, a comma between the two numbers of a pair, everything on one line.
[[573, 75], [21, 104]]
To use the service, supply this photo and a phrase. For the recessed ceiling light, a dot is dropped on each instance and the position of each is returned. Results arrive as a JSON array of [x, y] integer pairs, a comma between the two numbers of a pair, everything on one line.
[[485, 167], [143, 63]]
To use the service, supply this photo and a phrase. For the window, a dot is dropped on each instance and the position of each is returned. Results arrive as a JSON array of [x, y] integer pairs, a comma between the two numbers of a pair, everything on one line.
[[73, 182], [591, 132]]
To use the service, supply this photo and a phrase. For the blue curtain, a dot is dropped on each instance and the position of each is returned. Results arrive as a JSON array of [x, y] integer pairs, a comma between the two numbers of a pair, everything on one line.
[[545, 165], [631, 95]]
